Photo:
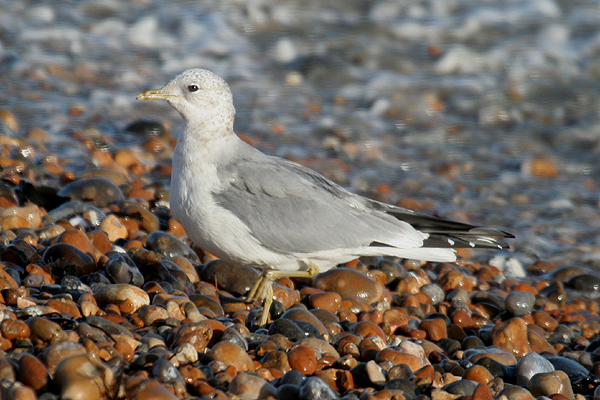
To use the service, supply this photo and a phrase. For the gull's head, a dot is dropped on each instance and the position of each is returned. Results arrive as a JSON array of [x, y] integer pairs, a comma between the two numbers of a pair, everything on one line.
[[198, 95]]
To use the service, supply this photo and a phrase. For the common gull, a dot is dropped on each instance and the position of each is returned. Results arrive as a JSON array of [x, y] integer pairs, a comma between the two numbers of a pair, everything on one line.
[[250, 208]]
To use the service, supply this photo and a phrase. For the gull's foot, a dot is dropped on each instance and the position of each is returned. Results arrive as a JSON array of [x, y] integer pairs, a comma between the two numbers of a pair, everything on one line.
[[263, 287]]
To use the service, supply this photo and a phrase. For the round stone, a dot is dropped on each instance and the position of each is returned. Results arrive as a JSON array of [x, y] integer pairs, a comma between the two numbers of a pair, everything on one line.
[[232, 354], [434, 291], [550, 383], [303, 359], [349, 283], [519, 303], [530, 365]]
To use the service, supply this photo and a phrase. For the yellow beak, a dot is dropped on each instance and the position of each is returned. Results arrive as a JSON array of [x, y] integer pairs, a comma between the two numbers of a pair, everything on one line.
[[153, 95]]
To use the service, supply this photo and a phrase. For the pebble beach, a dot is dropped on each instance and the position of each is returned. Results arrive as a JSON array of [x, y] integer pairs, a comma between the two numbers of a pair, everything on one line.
[[485, 113]]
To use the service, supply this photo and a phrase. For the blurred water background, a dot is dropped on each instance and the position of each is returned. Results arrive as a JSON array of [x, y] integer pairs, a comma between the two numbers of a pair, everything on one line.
[[483, 111]]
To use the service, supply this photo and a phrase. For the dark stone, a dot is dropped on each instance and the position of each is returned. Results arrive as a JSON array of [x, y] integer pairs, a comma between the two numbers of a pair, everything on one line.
[[450, 346], [405, 385], [587, 284], [65, 259], [20, 252], [237, 279], [463, 387], [146, 128], [292, 377], [485, 297], [309, 329], [288, 392], [393, 271], [201, 300], [121, 268], [169, 246], [287, 328], [572, 368], [157, 269], [438, 315], [471, 341], [234, 336], [167, 373], [314, 388]]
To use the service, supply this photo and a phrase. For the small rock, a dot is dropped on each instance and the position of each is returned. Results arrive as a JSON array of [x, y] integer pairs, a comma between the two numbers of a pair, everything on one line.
[[32, 372], [232, 354], [314, 388], [349, 283], [248, 386], [519, 303], [303, 359], [119, 292], [65, 259], [512, 335], [549, 383], [169, 246], [232, 278], [113, 227], [375, 373], [530, 365], [84, 377], [121, 268]]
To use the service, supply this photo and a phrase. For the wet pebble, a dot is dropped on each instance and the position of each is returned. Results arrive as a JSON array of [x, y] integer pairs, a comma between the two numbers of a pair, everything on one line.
[[232, 354], [83, 377], [287, 328], [122, 292], [461, 388], [349, 283], [434, 291], [65, 259], [33, 373], [121, 268], [551, 383], [530, 365], [303, 359], [170, 246], [572, 368], [247, 386], [45, 332], [232, 278], [519, 303], [512, 335], [314, 388]]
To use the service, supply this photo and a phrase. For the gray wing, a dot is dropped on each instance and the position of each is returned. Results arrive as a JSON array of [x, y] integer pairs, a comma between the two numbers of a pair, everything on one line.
[[292, 209]]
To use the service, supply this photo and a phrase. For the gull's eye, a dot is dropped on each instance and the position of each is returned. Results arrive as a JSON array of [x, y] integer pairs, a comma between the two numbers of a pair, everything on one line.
[[193, 88]]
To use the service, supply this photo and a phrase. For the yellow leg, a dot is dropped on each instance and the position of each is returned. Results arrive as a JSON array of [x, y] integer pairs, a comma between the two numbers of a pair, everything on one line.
[[263, 288]]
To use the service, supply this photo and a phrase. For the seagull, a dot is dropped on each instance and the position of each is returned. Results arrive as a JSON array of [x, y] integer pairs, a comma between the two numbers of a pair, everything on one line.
[[250, 208]]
